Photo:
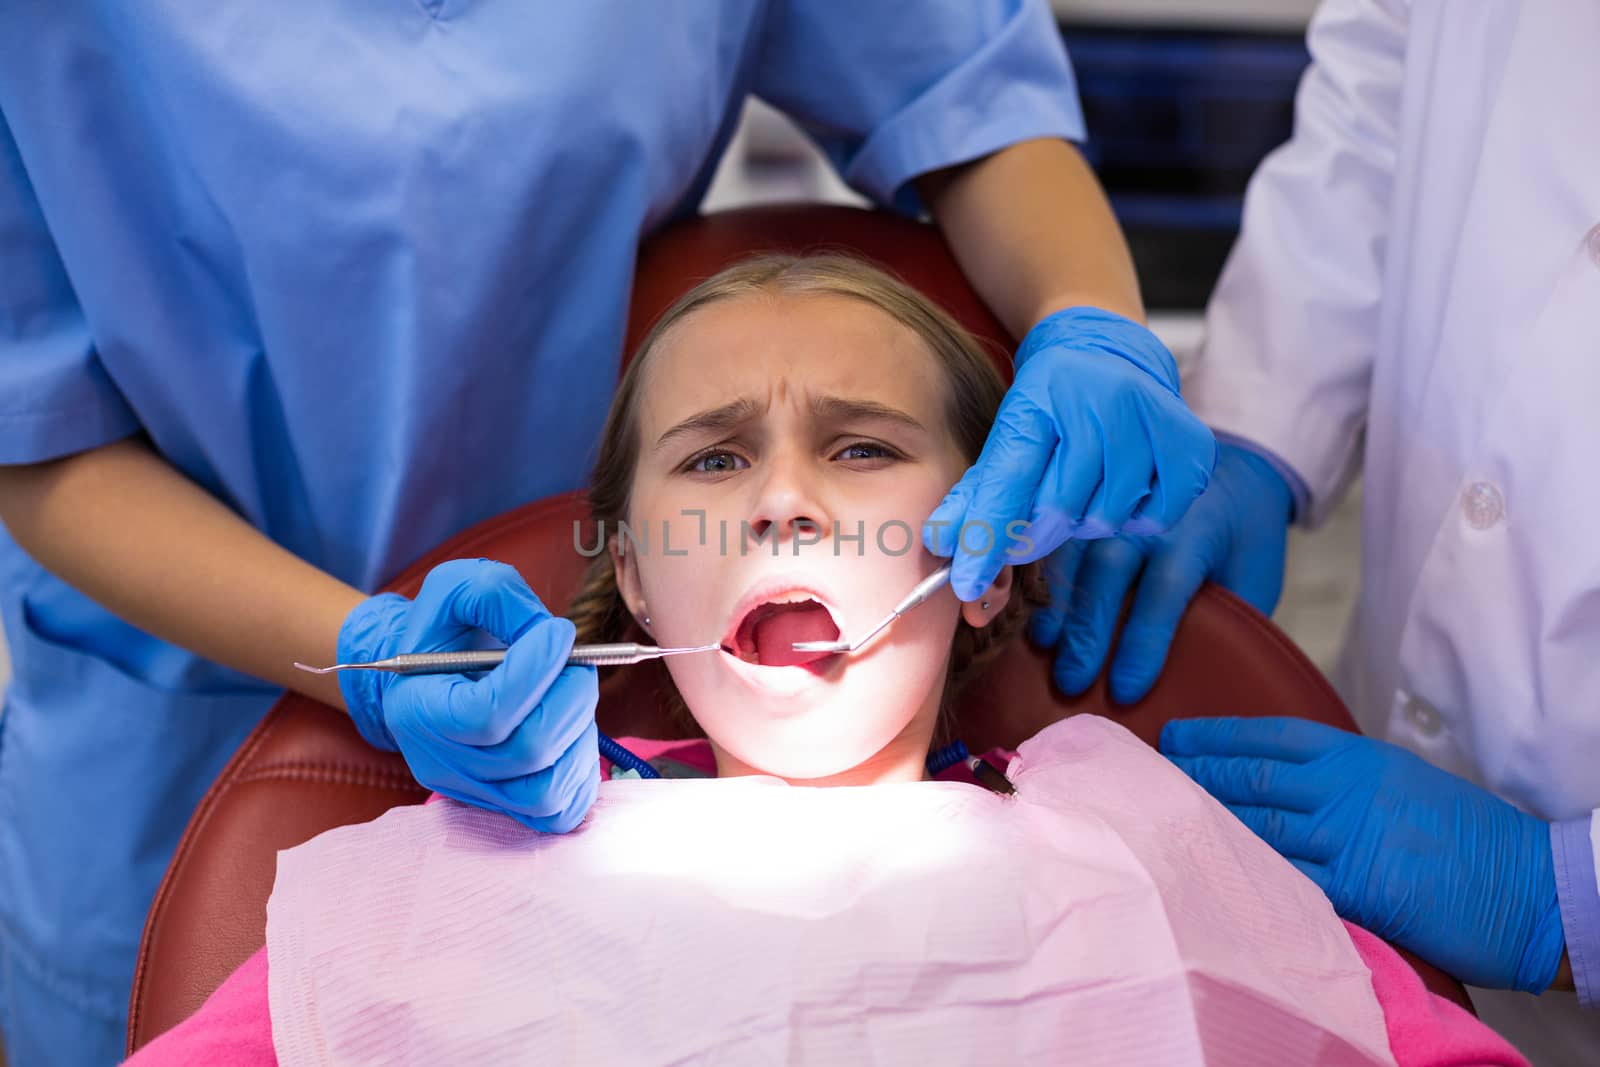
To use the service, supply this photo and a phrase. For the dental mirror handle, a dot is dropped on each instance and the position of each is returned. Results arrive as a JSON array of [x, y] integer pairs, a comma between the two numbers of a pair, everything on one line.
[[925, 588], [626, 652], [422, 663], [612, 655]]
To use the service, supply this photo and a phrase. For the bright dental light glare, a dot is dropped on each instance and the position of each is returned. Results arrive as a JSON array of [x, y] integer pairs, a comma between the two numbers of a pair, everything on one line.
[[759, 842]]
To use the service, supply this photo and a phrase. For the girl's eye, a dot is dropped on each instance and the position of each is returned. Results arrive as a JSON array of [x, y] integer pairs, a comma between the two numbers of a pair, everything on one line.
[[864, 450], [714, 463]]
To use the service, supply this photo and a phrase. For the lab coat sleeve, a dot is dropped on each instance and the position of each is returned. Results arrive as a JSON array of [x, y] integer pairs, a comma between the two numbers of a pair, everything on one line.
[[1292, 326], [55, 397], [894, 90], [1574, 845]]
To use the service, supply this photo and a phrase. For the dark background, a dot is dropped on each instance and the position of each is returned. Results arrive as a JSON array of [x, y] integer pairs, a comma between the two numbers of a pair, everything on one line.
[[1178, 120]]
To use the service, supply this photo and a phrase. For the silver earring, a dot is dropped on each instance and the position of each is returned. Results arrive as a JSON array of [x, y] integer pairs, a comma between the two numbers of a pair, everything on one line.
[[984, 605], [647, 620]]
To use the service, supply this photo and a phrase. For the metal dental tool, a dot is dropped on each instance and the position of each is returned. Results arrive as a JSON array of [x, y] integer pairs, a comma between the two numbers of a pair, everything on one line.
[[617, 655], [925, 588]]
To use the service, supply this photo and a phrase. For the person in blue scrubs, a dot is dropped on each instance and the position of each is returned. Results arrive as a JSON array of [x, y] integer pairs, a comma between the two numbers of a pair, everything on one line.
[[289, 296]]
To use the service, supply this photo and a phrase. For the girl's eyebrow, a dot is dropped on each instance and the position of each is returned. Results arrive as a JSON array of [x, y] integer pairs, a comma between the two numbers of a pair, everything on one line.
[[836, 408], [713, 420], [845, 409]]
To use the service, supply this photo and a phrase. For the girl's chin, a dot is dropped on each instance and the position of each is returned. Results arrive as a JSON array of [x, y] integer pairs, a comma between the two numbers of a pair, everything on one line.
[[826, 742], [800, 770]]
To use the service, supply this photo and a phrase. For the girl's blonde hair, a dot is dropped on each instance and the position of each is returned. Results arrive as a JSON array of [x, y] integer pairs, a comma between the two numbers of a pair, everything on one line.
[[974, 391]]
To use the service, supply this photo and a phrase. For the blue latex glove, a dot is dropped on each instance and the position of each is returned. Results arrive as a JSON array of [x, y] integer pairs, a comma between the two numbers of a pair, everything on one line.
[[519, 739], [1235, 534], [1417, 856], [1092, 439]]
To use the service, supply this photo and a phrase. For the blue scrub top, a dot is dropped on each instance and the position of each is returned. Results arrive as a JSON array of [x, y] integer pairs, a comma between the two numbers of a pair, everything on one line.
[[360, 270]]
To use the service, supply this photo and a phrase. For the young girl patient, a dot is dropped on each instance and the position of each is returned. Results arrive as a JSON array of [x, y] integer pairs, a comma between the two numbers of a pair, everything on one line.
[[773, 449]]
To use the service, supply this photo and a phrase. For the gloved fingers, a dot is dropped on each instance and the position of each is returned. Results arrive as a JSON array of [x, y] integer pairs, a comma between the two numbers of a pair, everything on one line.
[[1108, 569], [1071, 481], [556, 799], [486, 711], [371, 627], [1007, 477], [1251, 781], [1127, 475], [1292, 834], [1256, 577], [1060, 572], [466, 594], [1048, 525], [1259, 490], [370, 631], [1184, 454], [1171, 578], [1277, 737], [549, 729], [553, 800]]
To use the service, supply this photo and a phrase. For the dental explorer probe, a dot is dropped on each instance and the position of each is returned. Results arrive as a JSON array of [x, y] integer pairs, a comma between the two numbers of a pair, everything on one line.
[[621, 654], [925, 588], [616, 655]]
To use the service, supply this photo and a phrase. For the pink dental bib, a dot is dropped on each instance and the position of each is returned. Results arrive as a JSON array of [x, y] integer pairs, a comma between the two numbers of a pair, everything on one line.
[[1110, 913]]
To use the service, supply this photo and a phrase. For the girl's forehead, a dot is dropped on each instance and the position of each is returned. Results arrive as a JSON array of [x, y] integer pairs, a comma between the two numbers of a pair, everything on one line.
[[785, 348]]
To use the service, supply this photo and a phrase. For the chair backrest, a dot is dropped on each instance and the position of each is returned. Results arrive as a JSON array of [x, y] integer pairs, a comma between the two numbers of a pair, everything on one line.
[[305, 769]]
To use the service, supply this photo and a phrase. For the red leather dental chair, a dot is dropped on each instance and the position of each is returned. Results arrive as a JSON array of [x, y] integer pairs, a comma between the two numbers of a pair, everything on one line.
[[305, 770]]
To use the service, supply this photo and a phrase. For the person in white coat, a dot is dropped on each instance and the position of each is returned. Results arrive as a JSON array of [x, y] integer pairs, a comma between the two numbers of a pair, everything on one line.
[[1415, 295]]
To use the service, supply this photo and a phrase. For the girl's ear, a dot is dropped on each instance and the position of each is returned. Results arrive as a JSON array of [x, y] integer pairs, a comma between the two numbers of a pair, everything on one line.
[[626, 568], [981, 612]]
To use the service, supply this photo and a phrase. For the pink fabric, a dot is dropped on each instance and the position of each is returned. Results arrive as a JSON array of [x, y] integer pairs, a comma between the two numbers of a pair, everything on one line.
[[234, 1027], [1110, 911], [1426, 1030]]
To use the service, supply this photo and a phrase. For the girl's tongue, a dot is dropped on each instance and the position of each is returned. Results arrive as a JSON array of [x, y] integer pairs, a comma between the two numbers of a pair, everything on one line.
[[777, 627]]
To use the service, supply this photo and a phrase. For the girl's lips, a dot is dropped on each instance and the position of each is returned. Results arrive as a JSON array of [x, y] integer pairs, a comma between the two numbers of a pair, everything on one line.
[[772, 682]]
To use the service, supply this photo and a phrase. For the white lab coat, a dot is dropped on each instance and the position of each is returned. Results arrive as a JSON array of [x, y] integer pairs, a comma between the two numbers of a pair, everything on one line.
[[1419, 276]]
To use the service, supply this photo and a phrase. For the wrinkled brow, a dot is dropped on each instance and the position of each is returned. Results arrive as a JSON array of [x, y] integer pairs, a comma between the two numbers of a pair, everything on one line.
[[844, 409], [714, 420], [833, 408]]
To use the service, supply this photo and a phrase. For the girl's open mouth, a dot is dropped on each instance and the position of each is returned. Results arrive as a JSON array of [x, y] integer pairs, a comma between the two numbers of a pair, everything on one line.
[[766, 634]]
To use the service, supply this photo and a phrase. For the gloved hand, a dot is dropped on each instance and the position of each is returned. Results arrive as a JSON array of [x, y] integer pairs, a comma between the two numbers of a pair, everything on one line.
[[1091, 439], [1416, 855], [520, 739], [1235, 533]]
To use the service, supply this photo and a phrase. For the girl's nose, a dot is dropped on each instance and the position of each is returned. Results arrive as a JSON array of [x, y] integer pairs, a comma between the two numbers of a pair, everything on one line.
[[789, 502]]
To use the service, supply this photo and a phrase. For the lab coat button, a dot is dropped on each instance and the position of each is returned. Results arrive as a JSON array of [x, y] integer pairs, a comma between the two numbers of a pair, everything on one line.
[[1593, 240], [1423, 717], [1482, 504]]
